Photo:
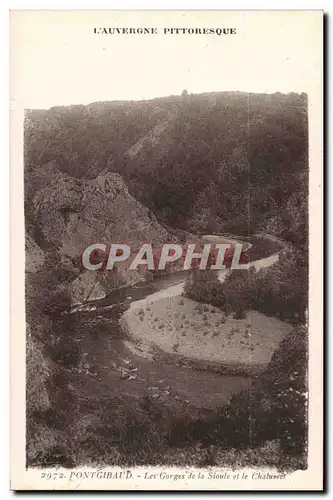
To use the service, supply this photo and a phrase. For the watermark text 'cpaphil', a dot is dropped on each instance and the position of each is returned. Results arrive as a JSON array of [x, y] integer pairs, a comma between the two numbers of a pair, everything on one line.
[[214, 256]]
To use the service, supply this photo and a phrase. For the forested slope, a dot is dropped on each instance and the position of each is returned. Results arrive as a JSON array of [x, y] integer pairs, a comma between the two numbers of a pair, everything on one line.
[[228, 161]]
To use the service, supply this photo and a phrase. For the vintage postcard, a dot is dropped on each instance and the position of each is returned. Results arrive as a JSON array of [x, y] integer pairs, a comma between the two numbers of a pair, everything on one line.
[[166, 250]]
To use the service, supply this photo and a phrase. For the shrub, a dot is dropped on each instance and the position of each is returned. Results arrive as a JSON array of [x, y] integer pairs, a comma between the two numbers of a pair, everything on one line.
[[233, 295], [282, 289], [240, 313]]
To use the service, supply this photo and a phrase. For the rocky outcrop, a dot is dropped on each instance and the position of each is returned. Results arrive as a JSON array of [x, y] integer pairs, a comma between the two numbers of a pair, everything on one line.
[[73, 214], [86, 287], [53, 205], [109, 214]]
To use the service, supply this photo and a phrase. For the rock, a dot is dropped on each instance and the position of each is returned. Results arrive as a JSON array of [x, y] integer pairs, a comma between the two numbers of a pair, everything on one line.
[[67, 265], [85, 288], [75, 213], [54, 203], [109, 214]]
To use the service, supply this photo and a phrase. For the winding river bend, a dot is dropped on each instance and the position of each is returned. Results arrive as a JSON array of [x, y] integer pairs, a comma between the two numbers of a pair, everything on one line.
[[107, 357]]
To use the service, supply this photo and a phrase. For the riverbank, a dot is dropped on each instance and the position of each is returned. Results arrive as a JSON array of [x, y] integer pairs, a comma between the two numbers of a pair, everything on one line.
[[181, 331], [167, 327]]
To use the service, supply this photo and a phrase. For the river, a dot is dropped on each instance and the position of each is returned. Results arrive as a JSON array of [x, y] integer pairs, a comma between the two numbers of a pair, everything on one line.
[[107, 359]]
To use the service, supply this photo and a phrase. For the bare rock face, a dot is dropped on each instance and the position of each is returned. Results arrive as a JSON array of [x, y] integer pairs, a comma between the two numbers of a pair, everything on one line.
[[109, 215], [72, 214], [86, 287], [34, 256], [53, 205]]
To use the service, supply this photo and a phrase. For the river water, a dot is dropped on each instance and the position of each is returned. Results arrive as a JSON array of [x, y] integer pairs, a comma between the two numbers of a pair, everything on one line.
[[105, 352]]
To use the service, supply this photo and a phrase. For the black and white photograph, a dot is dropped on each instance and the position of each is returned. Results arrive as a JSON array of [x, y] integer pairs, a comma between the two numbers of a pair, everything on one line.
[[166, 220]]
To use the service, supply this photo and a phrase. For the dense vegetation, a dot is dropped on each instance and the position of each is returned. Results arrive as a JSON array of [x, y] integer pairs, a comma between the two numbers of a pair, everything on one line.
[[280, 290], [224, 161]]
